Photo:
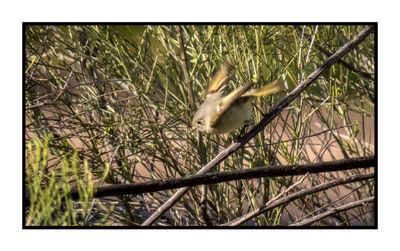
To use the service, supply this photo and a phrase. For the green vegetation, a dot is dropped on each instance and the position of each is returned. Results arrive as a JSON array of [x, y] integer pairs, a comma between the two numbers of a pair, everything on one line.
[[49, 190]]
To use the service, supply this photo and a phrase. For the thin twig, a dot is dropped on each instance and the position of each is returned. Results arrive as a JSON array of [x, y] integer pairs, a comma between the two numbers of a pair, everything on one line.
[[288, 189], [185, 69], [342, 62], [334, 210], [299, 194]]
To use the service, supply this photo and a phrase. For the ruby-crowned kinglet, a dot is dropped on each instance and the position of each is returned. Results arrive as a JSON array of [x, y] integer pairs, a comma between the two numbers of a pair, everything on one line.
[[222, 114]]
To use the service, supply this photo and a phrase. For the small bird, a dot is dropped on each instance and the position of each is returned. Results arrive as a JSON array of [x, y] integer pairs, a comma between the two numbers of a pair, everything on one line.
[[221, 113]]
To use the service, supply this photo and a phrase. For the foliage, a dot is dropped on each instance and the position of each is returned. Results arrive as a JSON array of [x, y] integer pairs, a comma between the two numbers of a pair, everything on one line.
[[49, 191]]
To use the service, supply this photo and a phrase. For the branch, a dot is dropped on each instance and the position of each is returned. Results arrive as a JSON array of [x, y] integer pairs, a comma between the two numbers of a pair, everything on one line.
[[340, 61], [265, 121], [275, 203], [335, 210], [185, 68], [218, 177]]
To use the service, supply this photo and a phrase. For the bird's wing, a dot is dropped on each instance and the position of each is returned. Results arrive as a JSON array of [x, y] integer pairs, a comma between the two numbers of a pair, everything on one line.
[[227, 101], [220, 78]]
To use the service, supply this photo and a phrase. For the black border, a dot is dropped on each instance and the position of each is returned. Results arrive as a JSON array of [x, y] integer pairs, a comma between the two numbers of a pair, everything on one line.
[[24, 193]]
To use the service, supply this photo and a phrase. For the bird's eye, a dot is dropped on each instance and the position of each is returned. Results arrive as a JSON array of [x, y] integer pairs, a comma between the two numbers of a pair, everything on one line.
[[199, 122]]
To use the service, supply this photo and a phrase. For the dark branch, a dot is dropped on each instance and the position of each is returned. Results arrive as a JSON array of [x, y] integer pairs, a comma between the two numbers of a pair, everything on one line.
[[212, 178]]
